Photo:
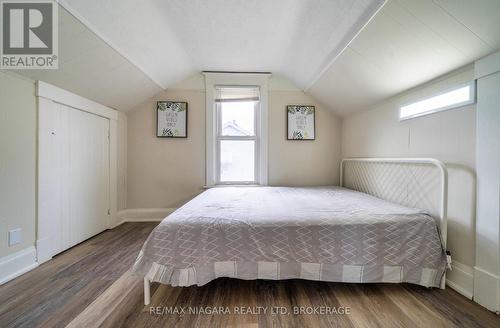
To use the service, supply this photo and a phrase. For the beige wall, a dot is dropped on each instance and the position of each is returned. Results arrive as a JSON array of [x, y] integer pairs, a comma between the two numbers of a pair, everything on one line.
[[165, 172], [302, 163], [168, 172], [18, 137], [17, 160], [448, 136]]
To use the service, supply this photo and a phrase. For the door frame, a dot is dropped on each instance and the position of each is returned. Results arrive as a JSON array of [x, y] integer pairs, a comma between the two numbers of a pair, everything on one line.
[[47, 96]]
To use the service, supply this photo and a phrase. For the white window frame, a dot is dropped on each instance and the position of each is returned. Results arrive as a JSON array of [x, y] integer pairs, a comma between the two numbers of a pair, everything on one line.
[[472, 100], [224, 79], [255, 138]]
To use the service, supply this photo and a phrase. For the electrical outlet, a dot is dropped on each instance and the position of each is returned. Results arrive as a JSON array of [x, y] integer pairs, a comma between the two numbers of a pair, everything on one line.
[[15, 236]]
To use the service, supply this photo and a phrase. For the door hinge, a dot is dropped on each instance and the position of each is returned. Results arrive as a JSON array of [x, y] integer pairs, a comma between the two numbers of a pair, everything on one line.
[[109, 211]]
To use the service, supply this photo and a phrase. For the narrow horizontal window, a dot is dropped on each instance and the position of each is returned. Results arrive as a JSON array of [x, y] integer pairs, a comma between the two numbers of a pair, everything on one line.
[[458, 97]]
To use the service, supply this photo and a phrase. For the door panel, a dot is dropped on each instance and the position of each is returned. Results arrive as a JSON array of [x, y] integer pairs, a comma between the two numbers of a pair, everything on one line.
[[50, 179], [88, 174], [73, 182]]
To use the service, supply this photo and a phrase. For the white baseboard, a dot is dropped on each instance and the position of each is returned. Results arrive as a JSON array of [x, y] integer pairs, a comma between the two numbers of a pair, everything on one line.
[[461, 279], [43, 250], [14, 265], [487, 289], [144, 214]]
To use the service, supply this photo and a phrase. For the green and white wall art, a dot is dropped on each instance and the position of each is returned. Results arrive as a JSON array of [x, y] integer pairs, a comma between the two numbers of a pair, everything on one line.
[[171, 119], [300, 122]]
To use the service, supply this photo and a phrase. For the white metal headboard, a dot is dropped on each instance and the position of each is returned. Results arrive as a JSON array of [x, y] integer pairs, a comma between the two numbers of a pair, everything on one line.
[[413, 182]]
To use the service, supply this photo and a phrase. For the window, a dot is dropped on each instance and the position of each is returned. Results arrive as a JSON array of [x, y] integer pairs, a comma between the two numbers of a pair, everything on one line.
[[458, 97], [236, 128], [237, 110]]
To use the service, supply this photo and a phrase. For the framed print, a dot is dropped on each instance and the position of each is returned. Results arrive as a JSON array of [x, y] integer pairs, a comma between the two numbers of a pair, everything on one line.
[[171, 119], [300, 122]]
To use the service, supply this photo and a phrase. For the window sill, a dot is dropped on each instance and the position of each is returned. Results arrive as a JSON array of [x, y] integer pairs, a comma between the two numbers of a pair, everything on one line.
[[231, 185]]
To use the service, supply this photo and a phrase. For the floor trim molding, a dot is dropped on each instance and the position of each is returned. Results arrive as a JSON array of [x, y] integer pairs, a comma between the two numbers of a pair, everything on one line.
[[14, 265], [44, 250], [461, 279], [487, 289], [144, 214]]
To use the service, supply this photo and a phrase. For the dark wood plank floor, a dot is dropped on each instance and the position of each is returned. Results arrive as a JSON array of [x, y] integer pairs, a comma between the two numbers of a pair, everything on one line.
[[90, 286]]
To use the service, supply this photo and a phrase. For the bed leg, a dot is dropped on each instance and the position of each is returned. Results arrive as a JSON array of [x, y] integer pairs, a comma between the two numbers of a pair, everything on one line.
[[147, 291], [443, 282]]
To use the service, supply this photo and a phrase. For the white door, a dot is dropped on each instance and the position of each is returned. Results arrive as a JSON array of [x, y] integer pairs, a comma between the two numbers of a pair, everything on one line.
[[73, 176], [52, 180], [88, 174]]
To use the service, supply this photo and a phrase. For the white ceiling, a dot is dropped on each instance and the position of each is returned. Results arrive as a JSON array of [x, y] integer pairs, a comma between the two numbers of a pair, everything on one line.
[[170, 40], [125, 53], [407, 43], [91, 68]]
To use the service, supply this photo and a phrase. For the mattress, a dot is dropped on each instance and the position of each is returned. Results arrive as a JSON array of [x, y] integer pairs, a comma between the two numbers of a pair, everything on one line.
[[320, 233]]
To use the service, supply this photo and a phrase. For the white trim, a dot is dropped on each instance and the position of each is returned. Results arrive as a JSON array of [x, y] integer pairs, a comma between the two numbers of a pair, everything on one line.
[[210, 130], [487, 65], [51, 92], [144, 214], [113, 174], [487, 269], [14, 265], [487, 289], [443, 217], [461, 279], [86, 23], [255, 138], [231, 185], [212, 79], [44, 249]]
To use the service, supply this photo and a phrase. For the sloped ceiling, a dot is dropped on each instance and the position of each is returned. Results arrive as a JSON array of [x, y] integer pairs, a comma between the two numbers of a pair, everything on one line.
[[122, 52], [91, 68], [172, 39], [407, 43]]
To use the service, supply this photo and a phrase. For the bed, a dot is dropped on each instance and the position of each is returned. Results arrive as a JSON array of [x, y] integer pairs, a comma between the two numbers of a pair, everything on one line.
[[316, 233]]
